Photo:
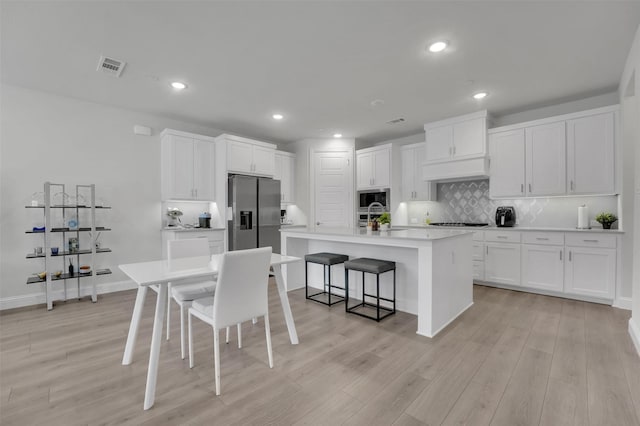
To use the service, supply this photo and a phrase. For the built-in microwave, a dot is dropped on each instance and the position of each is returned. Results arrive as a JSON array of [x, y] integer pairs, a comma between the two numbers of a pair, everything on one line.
[[365, 198]]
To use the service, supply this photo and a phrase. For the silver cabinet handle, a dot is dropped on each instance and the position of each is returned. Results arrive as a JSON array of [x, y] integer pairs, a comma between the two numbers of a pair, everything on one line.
[[590, 241], [522, 188], [318, 223], [450, 151], [542, 239], [454, 150], [561, 255], [569, 255], [529, 187], [572, 184], [487, 249], [504, 237]]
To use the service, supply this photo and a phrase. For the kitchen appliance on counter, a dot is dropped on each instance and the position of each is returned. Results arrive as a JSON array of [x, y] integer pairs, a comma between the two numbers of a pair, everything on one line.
[[204, 220], [255, 212], [505, 216], [459, 224]]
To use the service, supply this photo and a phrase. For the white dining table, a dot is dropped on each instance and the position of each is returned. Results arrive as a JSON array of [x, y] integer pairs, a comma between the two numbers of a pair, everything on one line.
[[159, 273]]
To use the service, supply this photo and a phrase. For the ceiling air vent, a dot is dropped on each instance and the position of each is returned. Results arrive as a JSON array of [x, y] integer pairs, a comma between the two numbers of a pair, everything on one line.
[[396, 121], [111, 66]]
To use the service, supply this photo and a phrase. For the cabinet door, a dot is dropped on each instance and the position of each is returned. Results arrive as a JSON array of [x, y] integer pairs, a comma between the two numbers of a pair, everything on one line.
[[364, 164], [203, 170], [543, 267], [286, 178], [239, 157], [546, 160], [439, 143], [408, 174], [290, 195], [382, 168], [506, 175], [469, 138], [591, 155], [278, 161], [590, 271], [502, 263], [263, 160], [424, 190], [181, 168]]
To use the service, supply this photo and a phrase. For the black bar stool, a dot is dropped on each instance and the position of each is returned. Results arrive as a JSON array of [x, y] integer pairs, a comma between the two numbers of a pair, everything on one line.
[[327, 260], [370, 266]]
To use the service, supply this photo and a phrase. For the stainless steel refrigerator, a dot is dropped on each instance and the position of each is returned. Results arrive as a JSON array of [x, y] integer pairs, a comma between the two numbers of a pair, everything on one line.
[[255, 212]]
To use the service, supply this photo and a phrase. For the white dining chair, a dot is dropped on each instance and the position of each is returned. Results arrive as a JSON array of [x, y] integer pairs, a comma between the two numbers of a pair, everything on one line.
[[241, 295], [197, 250]]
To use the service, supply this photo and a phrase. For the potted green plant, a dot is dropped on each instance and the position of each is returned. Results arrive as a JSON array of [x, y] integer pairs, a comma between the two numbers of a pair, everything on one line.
[[385, 221], [606, 219]]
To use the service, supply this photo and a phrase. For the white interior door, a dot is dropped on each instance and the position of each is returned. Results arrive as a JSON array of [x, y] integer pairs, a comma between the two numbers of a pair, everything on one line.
[[332, 187]]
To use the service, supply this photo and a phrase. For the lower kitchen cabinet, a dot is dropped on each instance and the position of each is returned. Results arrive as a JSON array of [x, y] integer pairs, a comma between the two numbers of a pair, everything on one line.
[[215, 238], [543, 267], [502, 263], [590, 272]]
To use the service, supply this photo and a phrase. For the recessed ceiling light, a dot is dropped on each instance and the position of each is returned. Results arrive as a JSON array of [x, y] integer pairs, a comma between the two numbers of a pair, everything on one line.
[[277, 116], [438, 46], [178, 85], [480, 95], [337, 135]]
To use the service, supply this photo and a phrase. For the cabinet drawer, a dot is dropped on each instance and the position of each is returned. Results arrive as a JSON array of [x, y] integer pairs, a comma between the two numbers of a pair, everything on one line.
[[579, 239], [502, 237], [478, 251], [478, 236], [209, 235], [544, 238], [478, 270]]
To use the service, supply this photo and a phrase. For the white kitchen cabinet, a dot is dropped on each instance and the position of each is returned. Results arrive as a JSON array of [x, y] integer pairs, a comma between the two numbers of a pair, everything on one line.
[[187, 166], [414, 188], [507, 176], [543, 267], [374, 167], [590, 272], [457, 138], [591, 154], [545, 159], [249, 157], [284, 171], [502, 263]]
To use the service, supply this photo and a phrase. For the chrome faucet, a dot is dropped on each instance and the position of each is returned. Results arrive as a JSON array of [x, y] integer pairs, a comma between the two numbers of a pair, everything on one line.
[[376, 204]]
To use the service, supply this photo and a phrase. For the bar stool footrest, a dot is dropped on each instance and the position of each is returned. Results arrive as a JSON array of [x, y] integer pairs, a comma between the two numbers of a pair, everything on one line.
[[323, 296], [361, 309]]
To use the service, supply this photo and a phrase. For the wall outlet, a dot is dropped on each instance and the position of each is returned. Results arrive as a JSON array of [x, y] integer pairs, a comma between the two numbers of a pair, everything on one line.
[[414, 220]]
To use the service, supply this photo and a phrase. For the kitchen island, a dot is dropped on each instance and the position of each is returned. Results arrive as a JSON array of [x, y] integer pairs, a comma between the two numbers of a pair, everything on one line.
[[433, 267]]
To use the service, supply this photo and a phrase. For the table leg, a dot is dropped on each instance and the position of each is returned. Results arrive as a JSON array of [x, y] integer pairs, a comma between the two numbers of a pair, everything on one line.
[[134, 326], [156, 339], [286, 308]]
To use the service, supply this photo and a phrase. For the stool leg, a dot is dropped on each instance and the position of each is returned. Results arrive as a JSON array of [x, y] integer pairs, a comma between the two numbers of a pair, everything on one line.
[[346, 290], [377, 297], [394, 291], [363, 290], [327, 284], [306, 280]]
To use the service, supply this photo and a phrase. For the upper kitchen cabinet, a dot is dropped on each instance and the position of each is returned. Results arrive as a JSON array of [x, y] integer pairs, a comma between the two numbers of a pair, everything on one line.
[[373, 167], [414, 188], [187, 166], [591, 154], [285, 172], [456, 147], [573, 154], [506, 151], [249, 157], [546, 160]]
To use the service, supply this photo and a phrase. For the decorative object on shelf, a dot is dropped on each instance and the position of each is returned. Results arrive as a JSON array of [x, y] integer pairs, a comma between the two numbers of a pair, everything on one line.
[[73, 245], [174, 214], [60, 199], [73, 223], [606, 219], [54, 251], [71, 269], [37, 199], [385, 221], [85, 269]]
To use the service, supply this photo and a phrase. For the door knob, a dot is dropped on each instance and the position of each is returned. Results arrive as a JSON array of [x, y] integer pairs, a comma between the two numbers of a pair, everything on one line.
[[318, 223]]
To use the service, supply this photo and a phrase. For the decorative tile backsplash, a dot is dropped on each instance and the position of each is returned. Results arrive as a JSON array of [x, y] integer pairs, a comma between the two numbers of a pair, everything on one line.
[[469, 201]]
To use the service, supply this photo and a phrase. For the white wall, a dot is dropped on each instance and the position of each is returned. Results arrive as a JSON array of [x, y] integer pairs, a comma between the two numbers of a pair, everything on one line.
[[46, 137], [630, 104]]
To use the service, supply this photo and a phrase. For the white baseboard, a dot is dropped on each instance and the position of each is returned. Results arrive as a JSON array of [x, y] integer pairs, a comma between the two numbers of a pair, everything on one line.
[[39, 298], [622, 303], [634, 332]]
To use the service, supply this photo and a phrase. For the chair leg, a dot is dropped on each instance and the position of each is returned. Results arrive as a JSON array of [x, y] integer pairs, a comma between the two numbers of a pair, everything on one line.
[[227, 338], [190, 341], [182, 342], [168, 309], [239, 336], [267, 332], [216, 358]]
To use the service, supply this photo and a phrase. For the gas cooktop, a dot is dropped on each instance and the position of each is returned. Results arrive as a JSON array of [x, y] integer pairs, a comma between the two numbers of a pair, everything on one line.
[[459, 224]]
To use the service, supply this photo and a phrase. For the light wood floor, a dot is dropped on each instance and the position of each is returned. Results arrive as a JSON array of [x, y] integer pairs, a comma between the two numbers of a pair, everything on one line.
[[512, 359]]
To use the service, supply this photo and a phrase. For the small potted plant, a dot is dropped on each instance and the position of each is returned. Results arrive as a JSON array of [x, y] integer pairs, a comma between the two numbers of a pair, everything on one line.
[[385, 221], [606, 219]]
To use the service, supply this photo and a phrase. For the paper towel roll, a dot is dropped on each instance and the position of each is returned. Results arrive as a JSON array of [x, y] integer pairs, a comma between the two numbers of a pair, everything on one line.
[[583, 217]]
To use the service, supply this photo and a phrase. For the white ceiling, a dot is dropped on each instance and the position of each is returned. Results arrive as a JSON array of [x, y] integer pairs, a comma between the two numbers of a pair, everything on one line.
[[320, 63]]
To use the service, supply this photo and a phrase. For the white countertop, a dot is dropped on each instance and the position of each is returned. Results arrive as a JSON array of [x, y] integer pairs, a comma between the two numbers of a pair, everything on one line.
[[424, 234], [515, 228], [182, 229]]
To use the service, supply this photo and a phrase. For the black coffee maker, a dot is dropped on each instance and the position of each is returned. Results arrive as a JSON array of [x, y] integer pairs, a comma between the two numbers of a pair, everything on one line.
[[204, 220], [505, 216]]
